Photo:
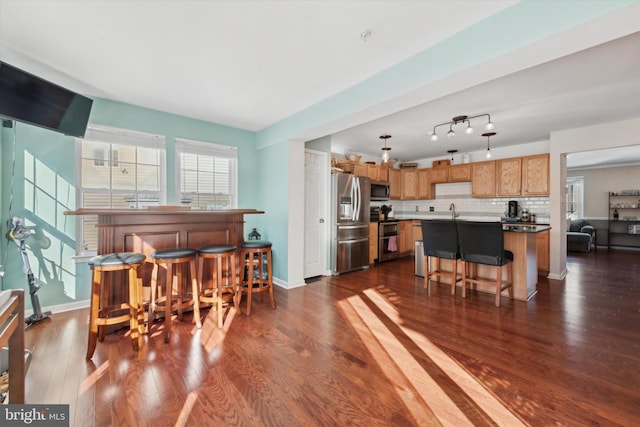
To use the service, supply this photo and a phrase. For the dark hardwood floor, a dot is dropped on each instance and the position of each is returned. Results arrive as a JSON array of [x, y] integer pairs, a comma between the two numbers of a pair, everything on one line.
[[364, 349]]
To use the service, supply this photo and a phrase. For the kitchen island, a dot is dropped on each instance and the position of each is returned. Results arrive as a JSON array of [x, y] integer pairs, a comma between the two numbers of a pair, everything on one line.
[[521, 240]]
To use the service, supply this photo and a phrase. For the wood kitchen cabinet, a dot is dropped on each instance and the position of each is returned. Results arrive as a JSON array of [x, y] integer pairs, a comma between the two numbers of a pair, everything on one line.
[[409, 187], [439, 175], [542, 251], [483, 179], [535, 175], [460, 173], [509, 177], [423, 184], [360, 169], [395, 183], [405, 237], [373, 242]]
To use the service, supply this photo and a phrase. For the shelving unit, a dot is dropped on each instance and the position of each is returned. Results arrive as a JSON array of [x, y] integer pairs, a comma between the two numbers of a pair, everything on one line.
[[621, 231]]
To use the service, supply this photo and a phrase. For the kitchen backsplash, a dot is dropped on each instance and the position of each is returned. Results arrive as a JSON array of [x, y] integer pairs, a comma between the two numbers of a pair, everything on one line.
[[467, 207]]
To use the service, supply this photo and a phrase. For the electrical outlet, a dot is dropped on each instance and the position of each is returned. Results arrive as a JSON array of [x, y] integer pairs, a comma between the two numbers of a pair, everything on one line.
[[417, 208], [431, 209]]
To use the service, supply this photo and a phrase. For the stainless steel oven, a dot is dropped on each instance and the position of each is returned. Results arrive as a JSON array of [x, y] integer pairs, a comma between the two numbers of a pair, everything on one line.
[[388, 241]]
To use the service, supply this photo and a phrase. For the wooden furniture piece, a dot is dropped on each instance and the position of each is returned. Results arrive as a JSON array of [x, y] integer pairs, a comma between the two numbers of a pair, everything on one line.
[[440, 240], [223, 258], [483, 243], [174, 290], [101, 313], [12, 334], [147, 230], [255, 254]]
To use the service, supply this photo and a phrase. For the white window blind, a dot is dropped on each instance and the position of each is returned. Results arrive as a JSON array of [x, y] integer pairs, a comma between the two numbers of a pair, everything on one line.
[[119, 169], [207, 174]]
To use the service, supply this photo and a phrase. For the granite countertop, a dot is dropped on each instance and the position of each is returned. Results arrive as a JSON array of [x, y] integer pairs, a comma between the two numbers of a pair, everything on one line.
[[529, 228]]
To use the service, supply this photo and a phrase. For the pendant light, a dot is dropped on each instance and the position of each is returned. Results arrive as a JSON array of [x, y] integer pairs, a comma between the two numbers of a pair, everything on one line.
[[452, 152], [488, 135], [385, 150]]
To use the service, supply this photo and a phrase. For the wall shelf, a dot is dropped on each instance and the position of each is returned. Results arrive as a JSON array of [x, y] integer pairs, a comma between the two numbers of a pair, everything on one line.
[[627, 209]]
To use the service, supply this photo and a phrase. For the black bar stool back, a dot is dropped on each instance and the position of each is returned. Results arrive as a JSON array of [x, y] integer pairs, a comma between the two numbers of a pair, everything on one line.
[[440, 240], [483, 243]]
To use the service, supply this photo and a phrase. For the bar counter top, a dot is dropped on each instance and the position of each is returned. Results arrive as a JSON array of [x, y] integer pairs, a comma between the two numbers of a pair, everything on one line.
[[162, 210]]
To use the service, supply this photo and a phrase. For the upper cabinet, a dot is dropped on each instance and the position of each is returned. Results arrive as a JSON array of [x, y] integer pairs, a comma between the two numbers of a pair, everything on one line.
[[509, 177], [423, 184], [460, 173], [409, 186], [535, 175], [395, 184], [483, 179]]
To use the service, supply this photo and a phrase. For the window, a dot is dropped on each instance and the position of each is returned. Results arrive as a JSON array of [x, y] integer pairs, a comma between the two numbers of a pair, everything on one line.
[[207, 174], [118, 169], [575, 197]]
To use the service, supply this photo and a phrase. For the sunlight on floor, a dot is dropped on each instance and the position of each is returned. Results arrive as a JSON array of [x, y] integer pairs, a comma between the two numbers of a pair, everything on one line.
[[93, 378], [211, 336], [186, 409], [431, 404]]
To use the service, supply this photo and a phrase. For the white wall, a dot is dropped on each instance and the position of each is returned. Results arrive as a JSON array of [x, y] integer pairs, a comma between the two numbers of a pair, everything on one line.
[[598, 182], [615, 134]]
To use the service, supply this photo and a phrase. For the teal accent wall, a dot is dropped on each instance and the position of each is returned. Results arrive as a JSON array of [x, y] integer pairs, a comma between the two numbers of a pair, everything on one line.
[[273, 182], [64, 281]]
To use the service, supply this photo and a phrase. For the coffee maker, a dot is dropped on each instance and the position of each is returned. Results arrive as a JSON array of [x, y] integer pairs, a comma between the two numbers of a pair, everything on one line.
[[512, 212]]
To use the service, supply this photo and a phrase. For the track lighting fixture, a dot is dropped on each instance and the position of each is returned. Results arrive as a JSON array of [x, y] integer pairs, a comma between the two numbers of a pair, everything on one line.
[[461, 119]]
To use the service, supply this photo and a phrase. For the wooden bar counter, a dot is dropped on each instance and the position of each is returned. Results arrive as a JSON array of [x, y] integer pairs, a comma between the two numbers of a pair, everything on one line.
[[161, 227]]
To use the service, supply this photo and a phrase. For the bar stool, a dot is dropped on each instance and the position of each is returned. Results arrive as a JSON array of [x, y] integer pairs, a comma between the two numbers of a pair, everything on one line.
[[252, 254], [100, 312], [440, 240], [483, 243], [172, 259], [219, 254]]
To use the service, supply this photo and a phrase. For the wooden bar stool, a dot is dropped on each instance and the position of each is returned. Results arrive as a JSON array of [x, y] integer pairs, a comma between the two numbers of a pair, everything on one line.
[[224, 260], [175, 296], [253, 254], [100, 313], [483, 243]]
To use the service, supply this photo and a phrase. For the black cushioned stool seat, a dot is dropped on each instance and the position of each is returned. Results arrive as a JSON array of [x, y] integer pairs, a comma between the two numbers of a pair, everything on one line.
[[100, 312], [483, 243], [175, 296], [224, 264], [253, 254]]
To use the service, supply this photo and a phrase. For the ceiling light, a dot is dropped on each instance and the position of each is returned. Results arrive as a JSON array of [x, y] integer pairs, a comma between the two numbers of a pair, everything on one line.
[[452, 152], [464, 120], [488, 135], [385, 150]]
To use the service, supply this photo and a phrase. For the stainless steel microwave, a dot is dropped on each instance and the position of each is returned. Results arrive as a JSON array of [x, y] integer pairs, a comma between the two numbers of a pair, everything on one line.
[[380, 191]]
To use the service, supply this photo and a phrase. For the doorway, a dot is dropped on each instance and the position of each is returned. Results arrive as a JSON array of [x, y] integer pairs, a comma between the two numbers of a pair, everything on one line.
[[315, 212]]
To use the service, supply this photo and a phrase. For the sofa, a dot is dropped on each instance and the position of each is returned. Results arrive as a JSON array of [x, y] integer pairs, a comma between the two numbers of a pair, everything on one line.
[[581, 236]]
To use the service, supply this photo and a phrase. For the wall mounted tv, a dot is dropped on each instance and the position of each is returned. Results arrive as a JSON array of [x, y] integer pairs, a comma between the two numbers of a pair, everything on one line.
[[30, 99]]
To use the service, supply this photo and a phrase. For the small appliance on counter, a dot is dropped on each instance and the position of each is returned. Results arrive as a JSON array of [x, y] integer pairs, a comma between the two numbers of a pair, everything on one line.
[[512, 212], [386, 211], [374, 214]]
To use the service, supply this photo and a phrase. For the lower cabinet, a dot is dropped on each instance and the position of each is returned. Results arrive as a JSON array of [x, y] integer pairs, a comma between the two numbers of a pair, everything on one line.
[[542, 251], [373, 242]]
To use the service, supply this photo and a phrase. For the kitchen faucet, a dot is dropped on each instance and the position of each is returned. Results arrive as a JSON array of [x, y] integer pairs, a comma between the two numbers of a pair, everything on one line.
[[452, 208]]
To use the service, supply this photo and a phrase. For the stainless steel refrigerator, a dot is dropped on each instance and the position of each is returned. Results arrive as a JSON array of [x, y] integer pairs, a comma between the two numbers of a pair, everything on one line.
[[350, 196]]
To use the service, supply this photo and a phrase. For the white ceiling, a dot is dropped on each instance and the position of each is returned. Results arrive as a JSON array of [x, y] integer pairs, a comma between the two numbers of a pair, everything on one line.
[[249, 64]]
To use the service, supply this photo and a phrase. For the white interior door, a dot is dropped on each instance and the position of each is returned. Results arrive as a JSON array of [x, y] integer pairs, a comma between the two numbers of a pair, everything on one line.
[[315, 213]]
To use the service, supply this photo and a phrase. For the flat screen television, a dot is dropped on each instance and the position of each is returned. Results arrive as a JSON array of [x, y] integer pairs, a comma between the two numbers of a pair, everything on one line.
[[30, 99]]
